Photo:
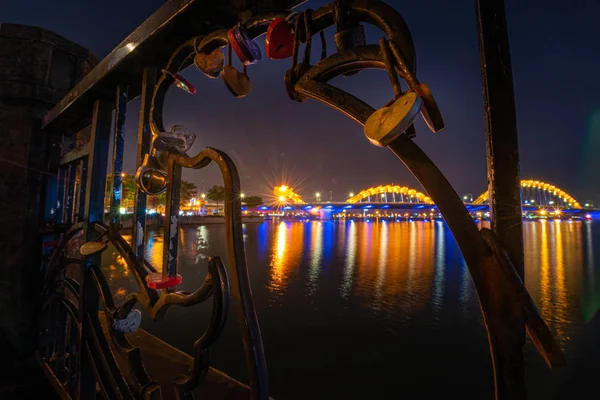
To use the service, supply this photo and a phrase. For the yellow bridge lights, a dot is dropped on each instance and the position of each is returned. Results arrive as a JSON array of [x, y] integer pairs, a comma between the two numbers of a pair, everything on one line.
[[404, 194], [286, 195], [551, 189]]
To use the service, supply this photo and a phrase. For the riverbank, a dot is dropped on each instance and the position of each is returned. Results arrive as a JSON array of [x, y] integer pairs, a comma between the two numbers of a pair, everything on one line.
[[189, 220]]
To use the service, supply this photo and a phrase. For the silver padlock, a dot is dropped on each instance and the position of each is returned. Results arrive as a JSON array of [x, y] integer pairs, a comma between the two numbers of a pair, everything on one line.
[[350, 38], [130, 323]]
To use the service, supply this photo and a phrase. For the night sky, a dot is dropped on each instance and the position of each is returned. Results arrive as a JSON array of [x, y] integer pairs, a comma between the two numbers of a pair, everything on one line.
[[555, 58]]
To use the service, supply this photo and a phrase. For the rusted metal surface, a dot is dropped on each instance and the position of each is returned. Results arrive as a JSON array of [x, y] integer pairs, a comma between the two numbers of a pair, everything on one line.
[[143, 147], [238, 272], [504, 183], [95, 184], [117, 163], [171, 38], [171, 225], [497, 298], [153, 40], [536, 327]]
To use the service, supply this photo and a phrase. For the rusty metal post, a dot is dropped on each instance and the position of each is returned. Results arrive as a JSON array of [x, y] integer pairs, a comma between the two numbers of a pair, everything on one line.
[[171, 227], [117, 166], [95, 185], [143, 147], [503, 178]]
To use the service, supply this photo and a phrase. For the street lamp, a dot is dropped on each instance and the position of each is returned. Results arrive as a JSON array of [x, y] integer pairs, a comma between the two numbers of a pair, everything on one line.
[[351, 194], [318, 196], [203, 195], [242, 195], [122, 174]]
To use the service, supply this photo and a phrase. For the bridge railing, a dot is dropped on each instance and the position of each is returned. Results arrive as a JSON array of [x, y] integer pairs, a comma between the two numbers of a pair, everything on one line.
[[89, 350]]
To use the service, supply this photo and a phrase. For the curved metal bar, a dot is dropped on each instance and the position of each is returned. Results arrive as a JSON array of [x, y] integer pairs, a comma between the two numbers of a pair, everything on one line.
[[182, 299], [69, 305], [220, 289], [212, 41], [490, 283], [165, 81], [103, 289], [376, 13], [337, 64], [238, 271], [537, 329], [336, 98], [55, 268], [72, 285], [57, 255]]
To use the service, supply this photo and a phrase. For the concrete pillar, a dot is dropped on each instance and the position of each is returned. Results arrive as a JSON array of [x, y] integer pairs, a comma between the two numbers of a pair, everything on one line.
[[37, 68], [325, 214]]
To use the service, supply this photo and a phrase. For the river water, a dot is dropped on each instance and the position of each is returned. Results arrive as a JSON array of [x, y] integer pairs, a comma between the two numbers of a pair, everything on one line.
[[377, 310]]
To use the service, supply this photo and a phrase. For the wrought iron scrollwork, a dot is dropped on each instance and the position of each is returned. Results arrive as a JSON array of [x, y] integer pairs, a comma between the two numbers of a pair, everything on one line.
[[161, 171]]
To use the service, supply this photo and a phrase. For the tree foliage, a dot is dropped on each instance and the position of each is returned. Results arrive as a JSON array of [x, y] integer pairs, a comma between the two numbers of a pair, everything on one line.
[[216, 193], [188, 191], [253, 201]]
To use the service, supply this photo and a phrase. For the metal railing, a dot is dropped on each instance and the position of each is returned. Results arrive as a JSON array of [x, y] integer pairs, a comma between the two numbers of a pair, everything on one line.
[[79, 353]]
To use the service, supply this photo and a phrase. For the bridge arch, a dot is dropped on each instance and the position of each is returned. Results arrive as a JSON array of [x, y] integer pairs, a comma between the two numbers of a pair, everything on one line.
[[547, 190], [400, 194]]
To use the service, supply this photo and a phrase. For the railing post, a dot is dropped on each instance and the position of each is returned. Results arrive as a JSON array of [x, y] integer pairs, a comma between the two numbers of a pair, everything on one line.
[[171, 224], [143, 147], [94, 211], [117, 166], [503, 180]]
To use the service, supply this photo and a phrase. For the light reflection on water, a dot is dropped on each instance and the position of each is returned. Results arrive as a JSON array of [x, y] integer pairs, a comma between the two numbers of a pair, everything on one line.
[[401, 289]]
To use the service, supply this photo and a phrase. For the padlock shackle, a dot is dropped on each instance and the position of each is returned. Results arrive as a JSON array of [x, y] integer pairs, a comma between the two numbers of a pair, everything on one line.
[[376, 13]]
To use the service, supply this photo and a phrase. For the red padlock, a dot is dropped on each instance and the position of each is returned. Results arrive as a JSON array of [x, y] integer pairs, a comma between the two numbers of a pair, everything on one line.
[[181, 82], [279, 40], [244, 46], [156, 280]]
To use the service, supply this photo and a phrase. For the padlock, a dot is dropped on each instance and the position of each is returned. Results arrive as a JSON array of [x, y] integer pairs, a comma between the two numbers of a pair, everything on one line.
[[243, 45], [150, 178], [210, 64], [239, 84], [181, 82], [290, 79], [93, 247], [430, 111], [130, 323], [387, 123], [350, 38], [157, 280], [179, 138], [279, 41]]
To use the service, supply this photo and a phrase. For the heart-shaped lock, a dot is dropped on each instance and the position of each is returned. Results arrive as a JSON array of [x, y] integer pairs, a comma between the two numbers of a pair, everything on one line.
[[387, 123], [279, 41], [91, 248], [430, 111], [238, 83], [244, 46], [210, 64], [130, 323], [181, 82]]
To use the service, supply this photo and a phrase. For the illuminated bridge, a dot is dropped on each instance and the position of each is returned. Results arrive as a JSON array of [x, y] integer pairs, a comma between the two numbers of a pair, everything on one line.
[[540, 200]]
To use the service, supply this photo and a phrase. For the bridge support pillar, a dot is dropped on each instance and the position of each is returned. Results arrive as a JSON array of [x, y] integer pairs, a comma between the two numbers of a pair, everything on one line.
[[37, 68], [325, 214]]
